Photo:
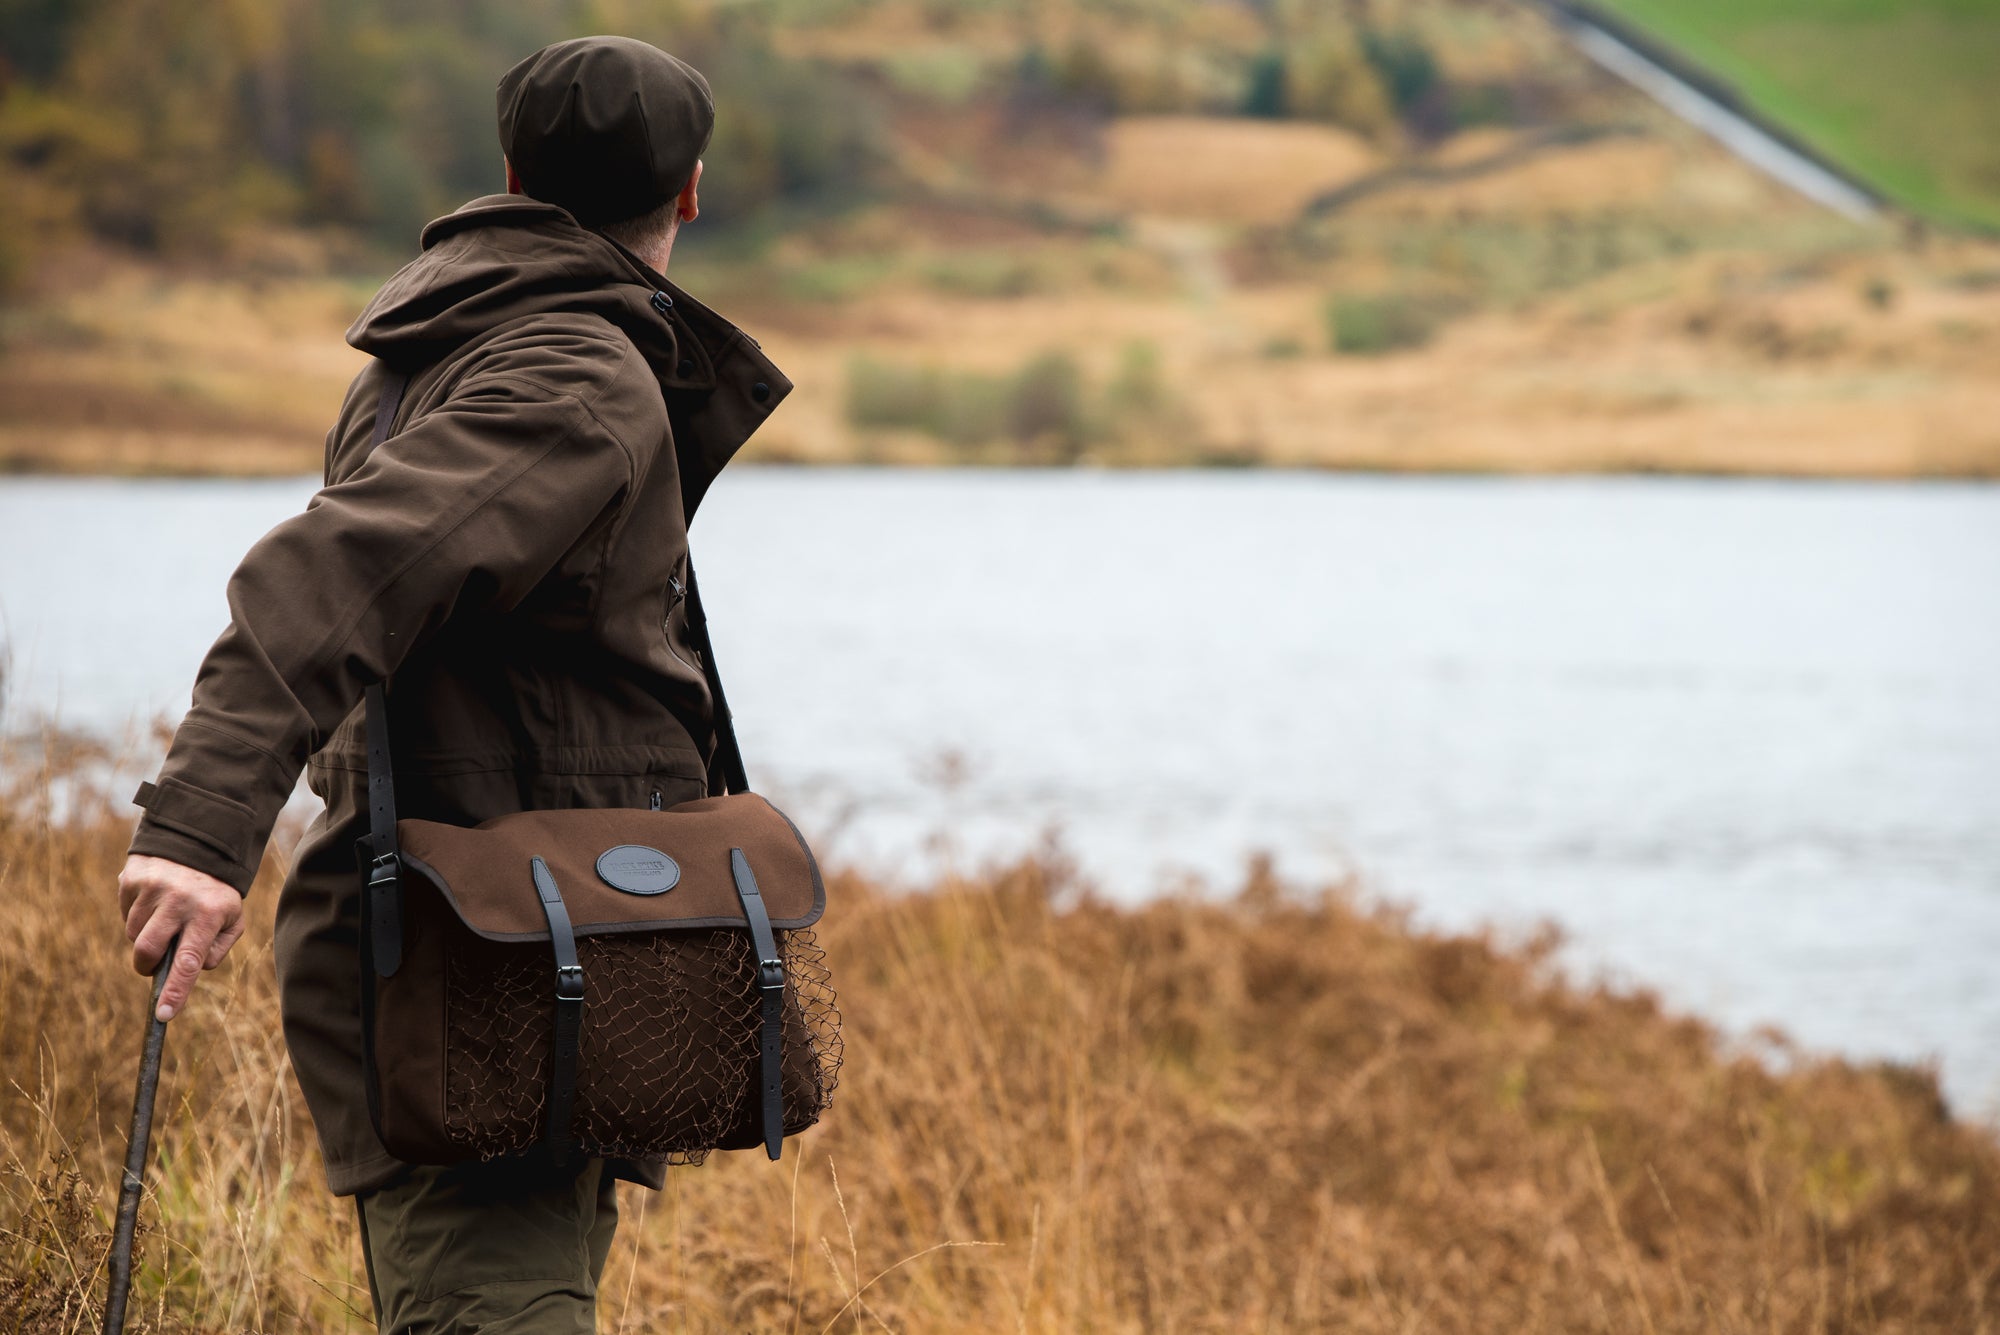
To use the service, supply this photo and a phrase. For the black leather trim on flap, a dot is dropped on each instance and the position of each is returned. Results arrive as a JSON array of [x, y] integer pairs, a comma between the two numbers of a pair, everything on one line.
[[430, 874]]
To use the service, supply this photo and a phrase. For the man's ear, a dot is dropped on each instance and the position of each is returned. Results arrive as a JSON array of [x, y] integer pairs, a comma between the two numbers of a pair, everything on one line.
[[513, 181], [690, 197]]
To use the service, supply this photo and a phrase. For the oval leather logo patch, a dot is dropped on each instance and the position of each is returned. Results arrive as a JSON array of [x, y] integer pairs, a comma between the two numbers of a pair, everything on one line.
[[638, 870]]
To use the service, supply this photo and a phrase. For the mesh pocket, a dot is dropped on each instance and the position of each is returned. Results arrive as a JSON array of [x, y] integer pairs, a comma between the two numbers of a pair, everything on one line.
[[668, 1056]]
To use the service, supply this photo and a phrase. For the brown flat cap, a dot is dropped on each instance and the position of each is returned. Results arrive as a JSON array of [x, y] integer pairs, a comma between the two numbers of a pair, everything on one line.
[[606, 127]]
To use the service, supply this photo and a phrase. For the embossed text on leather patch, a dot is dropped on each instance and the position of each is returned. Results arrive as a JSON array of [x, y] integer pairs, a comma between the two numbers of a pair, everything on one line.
[[638, 870]]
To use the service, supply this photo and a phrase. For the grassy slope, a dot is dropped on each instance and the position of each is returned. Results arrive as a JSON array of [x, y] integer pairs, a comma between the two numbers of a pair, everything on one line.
[[1638, 301], [1641, 302], [1269, 1113], [1900, 91]]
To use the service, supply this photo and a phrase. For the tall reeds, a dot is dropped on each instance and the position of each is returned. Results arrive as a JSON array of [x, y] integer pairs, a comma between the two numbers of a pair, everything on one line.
[[1274, 1111]]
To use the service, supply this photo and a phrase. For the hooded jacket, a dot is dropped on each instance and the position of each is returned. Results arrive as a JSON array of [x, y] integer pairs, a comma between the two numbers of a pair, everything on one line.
[[512, 561]]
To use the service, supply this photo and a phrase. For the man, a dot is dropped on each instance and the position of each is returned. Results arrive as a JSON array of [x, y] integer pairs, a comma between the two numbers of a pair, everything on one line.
[[513, 561]]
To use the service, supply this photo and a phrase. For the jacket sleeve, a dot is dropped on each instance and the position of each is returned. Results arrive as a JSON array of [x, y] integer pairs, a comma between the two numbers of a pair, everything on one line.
[[466, 510]]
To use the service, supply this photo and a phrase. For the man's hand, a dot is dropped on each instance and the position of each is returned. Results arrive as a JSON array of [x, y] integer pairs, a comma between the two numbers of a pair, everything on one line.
[[161, 898]]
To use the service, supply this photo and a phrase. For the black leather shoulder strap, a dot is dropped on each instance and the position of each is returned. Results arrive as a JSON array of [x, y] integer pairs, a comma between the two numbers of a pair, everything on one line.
[[376, 852], [381, 859], [725, 765], [771, 993], [569, 1009], [382, 903], [386, 407]]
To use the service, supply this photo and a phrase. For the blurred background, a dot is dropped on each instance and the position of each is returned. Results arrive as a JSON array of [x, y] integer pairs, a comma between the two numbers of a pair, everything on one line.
[[1401, 234], [1527, 463], [1185, 267]]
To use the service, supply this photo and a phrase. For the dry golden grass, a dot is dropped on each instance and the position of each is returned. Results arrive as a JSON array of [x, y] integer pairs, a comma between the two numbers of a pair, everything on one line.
[[1272, 1112], [137, 372], [1225, 170], [1759, 339], [1585, 177], [1749, 334]]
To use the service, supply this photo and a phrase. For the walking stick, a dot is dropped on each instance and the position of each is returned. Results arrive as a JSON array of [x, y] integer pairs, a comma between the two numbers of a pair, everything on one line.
[[136, 1153]]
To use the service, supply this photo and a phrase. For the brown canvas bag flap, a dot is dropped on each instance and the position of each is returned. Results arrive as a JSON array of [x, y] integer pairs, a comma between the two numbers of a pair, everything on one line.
[[673, 863]]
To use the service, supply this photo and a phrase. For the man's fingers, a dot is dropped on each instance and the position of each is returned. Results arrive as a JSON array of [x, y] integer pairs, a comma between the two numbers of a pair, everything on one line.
[[224, 939], [196, 938], [169, 900], [155, 931], [139, 912]]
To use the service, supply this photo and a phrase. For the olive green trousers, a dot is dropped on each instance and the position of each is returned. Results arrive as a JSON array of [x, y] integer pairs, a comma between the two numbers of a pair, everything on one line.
[[502, 1248]]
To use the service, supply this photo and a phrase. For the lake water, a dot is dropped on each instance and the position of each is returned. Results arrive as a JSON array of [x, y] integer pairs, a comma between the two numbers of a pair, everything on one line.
[[1741, 740]]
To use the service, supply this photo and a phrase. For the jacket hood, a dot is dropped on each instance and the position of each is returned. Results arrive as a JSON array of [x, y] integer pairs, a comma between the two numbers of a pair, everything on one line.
[[504, 257], [495, 260]]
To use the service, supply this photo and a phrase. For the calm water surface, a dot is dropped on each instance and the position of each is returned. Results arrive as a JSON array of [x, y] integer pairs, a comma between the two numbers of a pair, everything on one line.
[[1742, 740]]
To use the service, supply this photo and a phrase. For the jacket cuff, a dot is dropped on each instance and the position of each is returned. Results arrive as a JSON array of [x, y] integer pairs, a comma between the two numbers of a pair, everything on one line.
[[196, 829]]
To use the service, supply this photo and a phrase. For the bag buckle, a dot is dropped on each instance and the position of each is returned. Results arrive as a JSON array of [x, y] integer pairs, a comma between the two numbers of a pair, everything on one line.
[[770, 975], [382, 912], [569, 982]]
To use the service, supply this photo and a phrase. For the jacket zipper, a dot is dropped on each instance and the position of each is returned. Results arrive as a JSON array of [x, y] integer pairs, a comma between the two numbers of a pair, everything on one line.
[[677, 591]]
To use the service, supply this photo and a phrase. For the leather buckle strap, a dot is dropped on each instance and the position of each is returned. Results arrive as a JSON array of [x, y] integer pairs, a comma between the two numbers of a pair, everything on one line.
[[725, 763], [382, 882], [771, 989], [569, 1008], [382, 890], [393, 384], [382, 904], [371, 1084]]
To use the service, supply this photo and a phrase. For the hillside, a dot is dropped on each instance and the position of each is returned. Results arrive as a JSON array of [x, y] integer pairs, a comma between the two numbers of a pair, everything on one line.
[[1186, 234], [1898, 91]]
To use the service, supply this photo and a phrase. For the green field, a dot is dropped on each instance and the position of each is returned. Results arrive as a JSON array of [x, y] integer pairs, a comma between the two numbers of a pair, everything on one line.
[[1903, 93]]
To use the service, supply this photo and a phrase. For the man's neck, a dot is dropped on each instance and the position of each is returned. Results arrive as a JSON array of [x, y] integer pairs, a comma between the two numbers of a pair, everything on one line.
[[656, 260]]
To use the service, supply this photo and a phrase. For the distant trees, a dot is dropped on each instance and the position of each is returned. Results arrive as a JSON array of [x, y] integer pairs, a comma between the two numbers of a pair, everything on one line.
[[1047, 411], [169, 125], [165, 125], [1321, 62]]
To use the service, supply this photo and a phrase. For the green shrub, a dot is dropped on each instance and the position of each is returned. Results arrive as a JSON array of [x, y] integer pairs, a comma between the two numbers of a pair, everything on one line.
[[1265, 95], [1046, 412], [960, 408], [1404, 61], [1371, 325], [1139, 389], [835, 279], [972, 410], [1046, 408], [982, 273], [881, 394], [1329, 79], [786, 132], [951, 75], [1043, 412]]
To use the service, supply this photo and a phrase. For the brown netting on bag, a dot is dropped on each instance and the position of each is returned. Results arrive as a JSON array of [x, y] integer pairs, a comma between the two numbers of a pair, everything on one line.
[[666, 1067]]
